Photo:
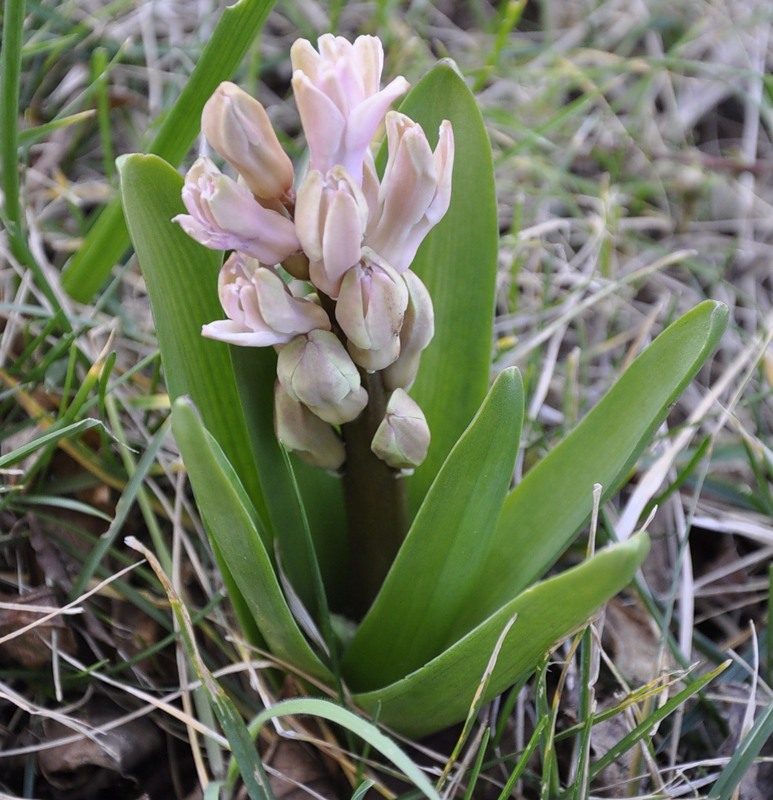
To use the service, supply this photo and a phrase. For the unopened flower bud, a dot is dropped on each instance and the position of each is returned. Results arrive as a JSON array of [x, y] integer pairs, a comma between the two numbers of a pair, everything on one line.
[[416, 333], [402, 438], [303, 432], [330, 218], [370, 310], [238, 127], [415, 192], [223, 215], [260, 308], [338, 97], [316, 370]]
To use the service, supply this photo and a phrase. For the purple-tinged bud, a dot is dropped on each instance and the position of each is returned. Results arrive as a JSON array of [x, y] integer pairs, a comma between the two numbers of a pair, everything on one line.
[[316, 370], [415, 192], [330, 219], [260, 308], [370, 310], [303, 432], [402, 438], [223, 215], [238, 127], [416, 333], [338, 97]]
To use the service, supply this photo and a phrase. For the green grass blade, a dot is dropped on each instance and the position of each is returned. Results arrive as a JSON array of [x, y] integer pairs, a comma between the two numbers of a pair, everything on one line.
[[234, 528], [438, 565], [458, 264], [742, 759], [441, 692], [10, 79], [181, 278], [122, 509], [644, 729], [242, 746], [311, 706], [108, 240], [362, 790], [544, 512], [55, 433]]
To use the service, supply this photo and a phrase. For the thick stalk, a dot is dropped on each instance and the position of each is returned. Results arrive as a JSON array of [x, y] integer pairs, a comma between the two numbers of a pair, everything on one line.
[[376, 503]]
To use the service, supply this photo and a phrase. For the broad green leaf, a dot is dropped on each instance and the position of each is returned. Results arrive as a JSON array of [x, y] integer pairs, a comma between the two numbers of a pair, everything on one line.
[[181, 278], [234, 527], [545, 511], [255, 371], [440, 693], [108, 239], [437, 568], [458, 264]]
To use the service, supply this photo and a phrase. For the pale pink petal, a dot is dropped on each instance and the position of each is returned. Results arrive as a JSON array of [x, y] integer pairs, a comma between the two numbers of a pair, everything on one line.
[[226, 330]]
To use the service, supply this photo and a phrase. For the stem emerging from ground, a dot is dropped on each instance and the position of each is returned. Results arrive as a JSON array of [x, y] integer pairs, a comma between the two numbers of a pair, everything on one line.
[[374, 495], [376, 503]]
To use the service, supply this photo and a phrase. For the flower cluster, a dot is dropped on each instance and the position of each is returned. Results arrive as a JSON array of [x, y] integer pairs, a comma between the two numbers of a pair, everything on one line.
[[322, 273]]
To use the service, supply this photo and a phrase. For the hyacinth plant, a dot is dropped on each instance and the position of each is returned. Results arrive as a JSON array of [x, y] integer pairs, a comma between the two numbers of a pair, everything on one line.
[[349, 455]]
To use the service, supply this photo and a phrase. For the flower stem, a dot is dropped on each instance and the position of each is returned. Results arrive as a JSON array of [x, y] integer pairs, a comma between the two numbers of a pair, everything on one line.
[[376, 503]]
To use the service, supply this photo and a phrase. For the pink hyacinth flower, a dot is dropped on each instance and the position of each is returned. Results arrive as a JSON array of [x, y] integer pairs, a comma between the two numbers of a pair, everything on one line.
[[223, 215], [402, 439], [239, 128], [415, 191], [370, 311], [261, 310], [303, 432], [330, 218], [415, 334], [316, 370], [339, 100]]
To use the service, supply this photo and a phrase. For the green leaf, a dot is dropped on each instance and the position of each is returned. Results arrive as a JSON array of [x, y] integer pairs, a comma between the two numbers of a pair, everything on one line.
[[234, 527], [458, 264], [255, 371], [181, 278], [437, 568], [545, 511], [440, 693], [108, 240]]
